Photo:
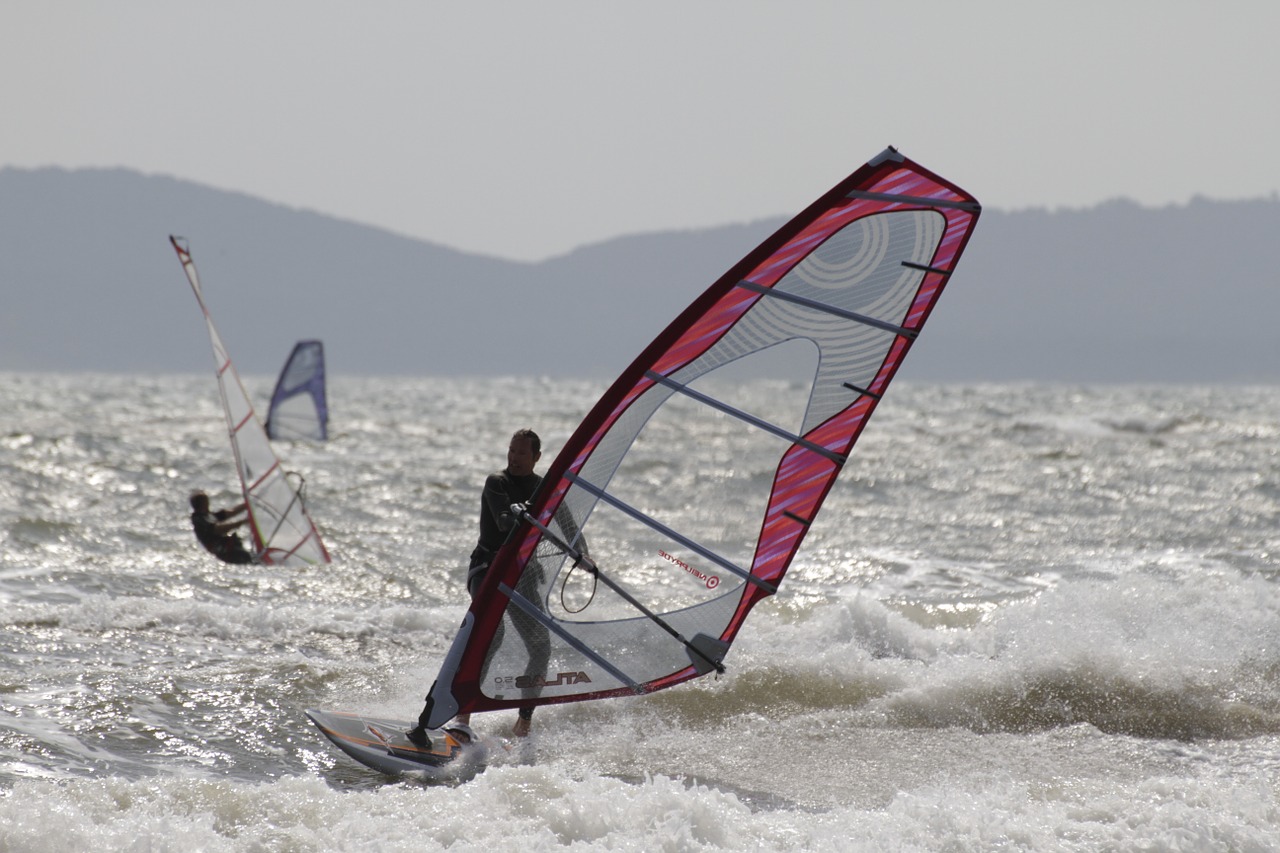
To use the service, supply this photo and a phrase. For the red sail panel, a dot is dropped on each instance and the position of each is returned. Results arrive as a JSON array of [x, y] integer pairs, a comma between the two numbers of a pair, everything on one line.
[[664, 587]]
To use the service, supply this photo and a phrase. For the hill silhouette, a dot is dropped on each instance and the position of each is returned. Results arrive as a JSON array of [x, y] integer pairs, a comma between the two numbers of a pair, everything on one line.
[[1115, 293]]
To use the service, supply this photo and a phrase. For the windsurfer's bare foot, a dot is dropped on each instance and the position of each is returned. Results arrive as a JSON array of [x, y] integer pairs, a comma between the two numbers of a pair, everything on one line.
[[521, 728]]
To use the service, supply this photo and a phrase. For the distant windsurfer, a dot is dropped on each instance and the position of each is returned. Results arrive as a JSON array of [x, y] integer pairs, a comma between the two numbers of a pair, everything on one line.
[[214, 529]]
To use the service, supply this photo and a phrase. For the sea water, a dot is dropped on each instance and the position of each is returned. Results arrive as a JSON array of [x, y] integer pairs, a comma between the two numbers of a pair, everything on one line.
[[1029, 618]]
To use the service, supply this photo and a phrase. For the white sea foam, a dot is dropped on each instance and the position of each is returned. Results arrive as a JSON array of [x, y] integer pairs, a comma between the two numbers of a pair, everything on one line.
[[1029, 617]]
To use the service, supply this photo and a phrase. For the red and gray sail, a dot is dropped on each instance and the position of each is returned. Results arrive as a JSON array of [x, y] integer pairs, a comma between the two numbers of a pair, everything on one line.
[[617, 584]]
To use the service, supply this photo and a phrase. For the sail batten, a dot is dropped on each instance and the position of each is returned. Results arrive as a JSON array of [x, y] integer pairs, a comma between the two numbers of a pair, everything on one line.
[[282, 530], [745, 417], [829, 309], [925, 268], [860, 391], [850, 281], [534, 612], [664, 530], [581, 559], [916, 200]]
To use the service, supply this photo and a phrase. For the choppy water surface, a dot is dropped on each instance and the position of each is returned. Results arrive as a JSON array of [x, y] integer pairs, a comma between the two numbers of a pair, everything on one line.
[[1030, 617]]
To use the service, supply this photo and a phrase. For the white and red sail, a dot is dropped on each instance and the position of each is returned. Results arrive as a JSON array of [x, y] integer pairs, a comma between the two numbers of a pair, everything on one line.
[[611, 586], [282, 531]]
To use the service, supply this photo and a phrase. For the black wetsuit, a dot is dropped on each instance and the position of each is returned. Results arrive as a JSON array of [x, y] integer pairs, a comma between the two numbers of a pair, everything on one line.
[[501, 490], [227, 547]]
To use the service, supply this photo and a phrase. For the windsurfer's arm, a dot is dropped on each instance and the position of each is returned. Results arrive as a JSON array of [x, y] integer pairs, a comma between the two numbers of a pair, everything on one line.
[[228, 526], [222, 515]]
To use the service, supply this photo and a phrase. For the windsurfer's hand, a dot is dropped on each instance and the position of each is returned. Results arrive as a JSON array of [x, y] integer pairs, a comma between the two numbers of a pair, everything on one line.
[[518, 511]]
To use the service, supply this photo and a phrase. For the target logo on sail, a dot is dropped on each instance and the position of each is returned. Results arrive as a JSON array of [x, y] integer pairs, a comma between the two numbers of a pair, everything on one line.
[[712, 581]]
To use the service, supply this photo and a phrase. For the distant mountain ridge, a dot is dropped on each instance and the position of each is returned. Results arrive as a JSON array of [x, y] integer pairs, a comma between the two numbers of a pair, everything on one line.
[[1115, 293]]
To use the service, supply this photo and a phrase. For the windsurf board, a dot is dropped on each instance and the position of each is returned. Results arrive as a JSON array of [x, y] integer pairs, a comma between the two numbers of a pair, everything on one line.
[[452, 753]]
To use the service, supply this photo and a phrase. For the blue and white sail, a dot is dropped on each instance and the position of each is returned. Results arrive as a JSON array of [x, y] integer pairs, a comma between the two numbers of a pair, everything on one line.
[[299, 406]]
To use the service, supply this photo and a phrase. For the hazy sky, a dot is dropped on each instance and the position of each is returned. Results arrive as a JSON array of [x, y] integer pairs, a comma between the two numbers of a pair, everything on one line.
[[524, 129]]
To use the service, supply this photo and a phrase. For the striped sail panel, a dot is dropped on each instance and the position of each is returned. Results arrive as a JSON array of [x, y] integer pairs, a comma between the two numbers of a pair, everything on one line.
[[282, 531], [618, 584]]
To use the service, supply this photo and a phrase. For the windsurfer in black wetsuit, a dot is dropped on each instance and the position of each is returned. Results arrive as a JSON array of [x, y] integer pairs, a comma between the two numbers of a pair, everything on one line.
[[214, 529], [504, 491], [505, 494], [515, 484]]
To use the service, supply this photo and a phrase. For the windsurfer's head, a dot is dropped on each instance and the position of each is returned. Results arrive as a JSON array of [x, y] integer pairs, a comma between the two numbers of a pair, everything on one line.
[[199, 501], [523, 452]]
